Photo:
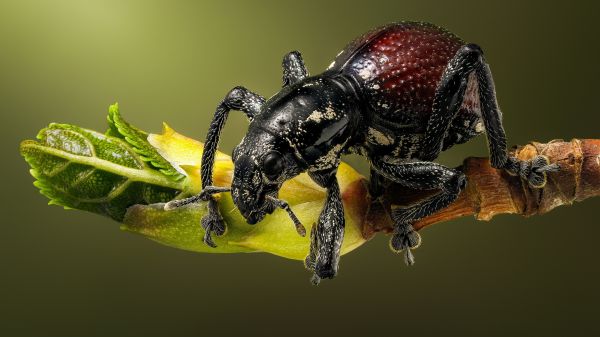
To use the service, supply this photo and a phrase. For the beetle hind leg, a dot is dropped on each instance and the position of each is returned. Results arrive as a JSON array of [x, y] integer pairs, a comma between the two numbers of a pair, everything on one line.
[[449, 97], [533, 171]]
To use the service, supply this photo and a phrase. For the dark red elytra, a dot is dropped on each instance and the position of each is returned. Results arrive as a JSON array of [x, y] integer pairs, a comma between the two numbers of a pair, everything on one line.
[[400, 65]]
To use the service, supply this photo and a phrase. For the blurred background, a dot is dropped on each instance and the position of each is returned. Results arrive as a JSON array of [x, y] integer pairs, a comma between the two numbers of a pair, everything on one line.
[[70, 273]]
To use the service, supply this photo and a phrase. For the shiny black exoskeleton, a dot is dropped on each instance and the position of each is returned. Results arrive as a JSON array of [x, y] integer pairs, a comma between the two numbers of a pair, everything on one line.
[[398, 95]]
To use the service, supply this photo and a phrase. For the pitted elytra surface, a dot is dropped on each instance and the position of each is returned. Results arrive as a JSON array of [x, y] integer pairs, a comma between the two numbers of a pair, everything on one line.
[[398, 95], [401, 65]]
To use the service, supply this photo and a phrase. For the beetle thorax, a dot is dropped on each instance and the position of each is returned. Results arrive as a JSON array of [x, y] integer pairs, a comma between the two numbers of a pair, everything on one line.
[[315, 118]]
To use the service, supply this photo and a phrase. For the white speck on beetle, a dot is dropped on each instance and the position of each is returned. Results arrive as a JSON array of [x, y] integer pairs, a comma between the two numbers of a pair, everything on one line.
[[364, 73], [378, 137], [318, 116], [331, 159], [479, 127]]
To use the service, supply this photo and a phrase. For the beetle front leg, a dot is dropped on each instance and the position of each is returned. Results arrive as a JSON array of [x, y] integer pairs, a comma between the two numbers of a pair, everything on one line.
[[239, 98], [421, 176], [328, 234]]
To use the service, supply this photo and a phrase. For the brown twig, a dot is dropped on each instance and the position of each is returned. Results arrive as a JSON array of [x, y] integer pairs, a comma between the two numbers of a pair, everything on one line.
[[490, 191]]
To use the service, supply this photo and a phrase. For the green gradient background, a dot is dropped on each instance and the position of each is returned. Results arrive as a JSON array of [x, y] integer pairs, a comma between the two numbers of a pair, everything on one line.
[[75, 274]]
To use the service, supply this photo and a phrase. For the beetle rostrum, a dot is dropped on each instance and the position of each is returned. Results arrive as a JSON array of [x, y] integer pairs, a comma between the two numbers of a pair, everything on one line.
[[398, 95]]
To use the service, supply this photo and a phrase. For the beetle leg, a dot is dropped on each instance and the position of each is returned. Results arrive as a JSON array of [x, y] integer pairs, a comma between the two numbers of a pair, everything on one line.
[[448, 99], [202, 196], [309, 261], [293, 68], [239, 98], [421, 176], [286, 207], [533, 171], [327, 235], [376, 185]]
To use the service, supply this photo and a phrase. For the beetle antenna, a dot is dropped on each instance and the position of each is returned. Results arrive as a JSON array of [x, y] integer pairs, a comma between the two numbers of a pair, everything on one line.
[[285, 206], [206, 192]]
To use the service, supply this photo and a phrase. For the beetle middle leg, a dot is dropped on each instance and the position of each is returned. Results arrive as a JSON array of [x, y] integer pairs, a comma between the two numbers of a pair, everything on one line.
[[448, 99], [239, 98], [294, 69], [422, 176]]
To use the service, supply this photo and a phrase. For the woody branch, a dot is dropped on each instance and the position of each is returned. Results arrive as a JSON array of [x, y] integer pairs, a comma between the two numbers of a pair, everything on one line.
[[490, 191]]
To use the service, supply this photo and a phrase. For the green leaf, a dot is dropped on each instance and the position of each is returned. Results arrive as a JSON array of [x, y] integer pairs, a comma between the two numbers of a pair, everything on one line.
[[181, 228], [84, 169], [138, 140], [275, 234], [116, 174]]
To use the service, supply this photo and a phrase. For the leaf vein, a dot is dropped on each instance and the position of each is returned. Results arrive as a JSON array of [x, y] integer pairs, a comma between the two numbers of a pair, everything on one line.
[[118, 190], [146, 175], [58, 169], [81, 177]]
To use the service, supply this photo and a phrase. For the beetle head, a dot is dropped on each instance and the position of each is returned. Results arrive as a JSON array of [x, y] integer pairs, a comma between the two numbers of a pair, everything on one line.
[[262, 164], [303, 127]]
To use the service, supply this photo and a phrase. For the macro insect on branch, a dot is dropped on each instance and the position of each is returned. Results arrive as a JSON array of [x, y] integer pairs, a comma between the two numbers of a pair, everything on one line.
[[398, 95], [128, 175]]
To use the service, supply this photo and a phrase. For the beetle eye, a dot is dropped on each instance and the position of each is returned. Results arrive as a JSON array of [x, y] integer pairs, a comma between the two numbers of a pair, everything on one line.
[[273, 165]]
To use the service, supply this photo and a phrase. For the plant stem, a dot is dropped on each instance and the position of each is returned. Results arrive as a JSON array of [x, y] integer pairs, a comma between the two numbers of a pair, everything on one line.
[[490, 191]]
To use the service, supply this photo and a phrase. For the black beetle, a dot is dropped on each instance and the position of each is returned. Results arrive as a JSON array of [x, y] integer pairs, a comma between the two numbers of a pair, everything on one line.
[[398, 95]]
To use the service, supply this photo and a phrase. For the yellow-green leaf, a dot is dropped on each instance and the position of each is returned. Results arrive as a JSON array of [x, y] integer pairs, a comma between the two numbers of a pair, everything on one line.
[[128, 175]]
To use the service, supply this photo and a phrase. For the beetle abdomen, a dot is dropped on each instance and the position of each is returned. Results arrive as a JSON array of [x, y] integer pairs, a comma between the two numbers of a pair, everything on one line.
[[399, 67]]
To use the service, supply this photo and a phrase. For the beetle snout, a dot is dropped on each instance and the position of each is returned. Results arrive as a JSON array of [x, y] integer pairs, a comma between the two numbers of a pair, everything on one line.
[[247, 189]]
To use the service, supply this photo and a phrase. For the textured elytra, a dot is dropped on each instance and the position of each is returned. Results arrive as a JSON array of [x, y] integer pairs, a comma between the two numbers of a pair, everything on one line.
[[400, 67]]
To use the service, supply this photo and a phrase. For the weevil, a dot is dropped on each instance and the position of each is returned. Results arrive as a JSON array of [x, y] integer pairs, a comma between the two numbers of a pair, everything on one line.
[[398, 95]]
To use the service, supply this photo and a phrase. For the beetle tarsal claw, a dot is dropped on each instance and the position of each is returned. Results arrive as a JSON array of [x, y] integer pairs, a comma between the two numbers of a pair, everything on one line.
[[315, 280], [533, 171], [405, 239], [202, 196], [285, 206]]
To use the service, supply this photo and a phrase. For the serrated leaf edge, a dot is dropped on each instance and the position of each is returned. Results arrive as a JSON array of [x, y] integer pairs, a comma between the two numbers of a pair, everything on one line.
[[144, 175], [139, 143]]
